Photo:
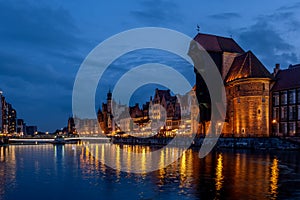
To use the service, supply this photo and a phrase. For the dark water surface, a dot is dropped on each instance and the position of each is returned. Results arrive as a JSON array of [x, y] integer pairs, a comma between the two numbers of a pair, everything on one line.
[[71, 172]]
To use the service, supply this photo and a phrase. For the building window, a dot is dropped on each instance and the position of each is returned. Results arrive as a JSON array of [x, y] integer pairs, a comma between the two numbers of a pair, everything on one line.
[[292, 128], [292, 112], [298, 128], [264, 86], [258, 111], [284, 113], [298, 95], [276, 113], [243, 130], [238, 88], [298, 112], [284, 97], [283, 128], [292, 96], [276, 99]]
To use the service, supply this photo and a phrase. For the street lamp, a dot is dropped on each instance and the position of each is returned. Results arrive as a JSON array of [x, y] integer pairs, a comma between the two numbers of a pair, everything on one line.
[[275, 128]]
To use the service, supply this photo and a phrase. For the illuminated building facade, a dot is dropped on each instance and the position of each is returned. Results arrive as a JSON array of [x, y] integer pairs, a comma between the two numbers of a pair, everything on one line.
[[247, 84], [285, 116], [165, 108], [105, 117], [163, 112]]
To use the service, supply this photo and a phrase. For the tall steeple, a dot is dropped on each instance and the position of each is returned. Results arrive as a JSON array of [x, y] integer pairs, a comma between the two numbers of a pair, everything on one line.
[[109, 101]]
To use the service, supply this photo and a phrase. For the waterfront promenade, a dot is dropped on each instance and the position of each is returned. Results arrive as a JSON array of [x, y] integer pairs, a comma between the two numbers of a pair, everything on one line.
[[260, 143]]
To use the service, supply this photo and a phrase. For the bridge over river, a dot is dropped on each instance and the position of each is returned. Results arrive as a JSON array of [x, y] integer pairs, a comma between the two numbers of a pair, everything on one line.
[[51, 140]]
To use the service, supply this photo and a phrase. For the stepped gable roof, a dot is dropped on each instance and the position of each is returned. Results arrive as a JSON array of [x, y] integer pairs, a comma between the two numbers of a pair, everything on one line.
[[287, 78], [247, 65], [217, 44], [163, 93]]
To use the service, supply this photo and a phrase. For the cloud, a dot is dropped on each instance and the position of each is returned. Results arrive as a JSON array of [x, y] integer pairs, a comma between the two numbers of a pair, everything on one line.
[[157, 12], [269, 38], [38, 26], [225, 16], [41, 50], [290, 7]]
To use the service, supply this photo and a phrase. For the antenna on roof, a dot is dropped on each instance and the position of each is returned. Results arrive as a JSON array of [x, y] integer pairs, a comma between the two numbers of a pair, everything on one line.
[[198, 28]]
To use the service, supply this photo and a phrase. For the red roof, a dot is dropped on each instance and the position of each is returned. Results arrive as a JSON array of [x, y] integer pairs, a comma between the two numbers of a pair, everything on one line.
[[247, 65], [287, 79], [217, 44]]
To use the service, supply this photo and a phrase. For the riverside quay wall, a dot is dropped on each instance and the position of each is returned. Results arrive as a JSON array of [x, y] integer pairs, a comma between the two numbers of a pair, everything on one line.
[[239, 143]]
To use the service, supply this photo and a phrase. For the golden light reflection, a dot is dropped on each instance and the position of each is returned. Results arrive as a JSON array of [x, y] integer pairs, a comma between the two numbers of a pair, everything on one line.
[[144, 161], [186, 169], [129, 152], [219, 173], [2, 154], [118, 160], [183, 170], [162, 171], [274, 179], [102, 160], [97, 157], [162, 159]]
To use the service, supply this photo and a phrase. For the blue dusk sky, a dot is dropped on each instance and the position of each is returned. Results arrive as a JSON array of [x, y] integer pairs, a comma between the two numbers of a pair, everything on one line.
[[43, 43]]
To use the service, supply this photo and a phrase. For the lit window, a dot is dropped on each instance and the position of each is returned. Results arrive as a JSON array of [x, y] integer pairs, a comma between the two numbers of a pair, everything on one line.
[[292, 128]]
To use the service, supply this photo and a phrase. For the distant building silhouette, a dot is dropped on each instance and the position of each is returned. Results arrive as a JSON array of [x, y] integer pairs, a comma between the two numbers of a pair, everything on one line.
[[21, 127], [31, 130], [8, 117], [71, 129]]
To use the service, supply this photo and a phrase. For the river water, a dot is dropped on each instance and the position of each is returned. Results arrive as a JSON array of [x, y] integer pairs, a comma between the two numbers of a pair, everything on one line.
[[72, 172]]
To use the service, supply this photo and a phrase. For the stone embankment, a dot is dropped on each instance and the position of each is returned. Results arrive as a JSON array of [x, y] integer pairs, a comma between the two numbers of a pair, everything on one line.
[[239, 143]]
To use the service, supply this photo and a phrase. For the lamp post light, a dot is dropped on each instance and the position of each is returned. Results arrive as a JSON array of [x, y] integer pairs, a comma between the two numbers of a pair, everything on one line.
[[275, 127]]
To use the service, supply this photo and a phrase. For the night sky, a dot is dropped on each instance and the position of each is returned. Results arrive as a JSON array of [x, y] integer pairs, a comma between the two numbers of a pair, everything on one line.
[[43, 42]]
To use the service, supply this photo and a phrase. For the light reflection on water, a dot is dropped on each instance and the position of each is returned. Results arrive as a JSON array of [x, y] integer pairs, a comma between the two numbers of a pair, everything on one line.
[[72, 172], [219, 173], [274, 179]]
